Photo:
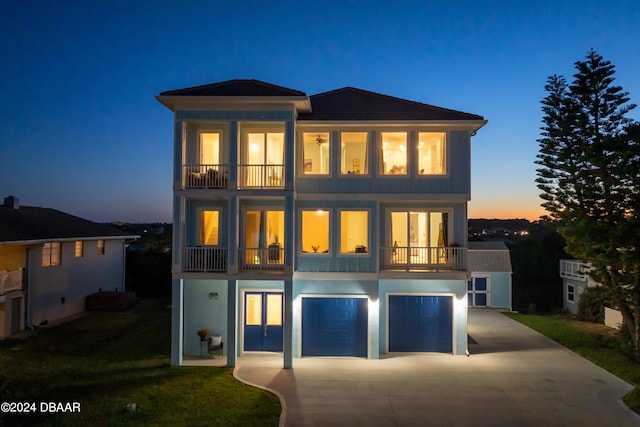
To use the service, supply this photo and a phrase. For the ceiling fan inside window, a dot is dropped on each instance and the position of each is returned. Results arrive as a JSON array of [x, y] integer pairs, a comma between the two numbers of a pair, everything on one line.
[[320, 140]]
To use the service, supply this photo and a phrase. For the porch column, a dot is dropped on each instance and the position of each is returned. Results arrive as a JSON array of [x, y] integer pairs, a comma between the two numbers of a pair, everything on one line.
[[177, 301], [232, 323], [287, 338]]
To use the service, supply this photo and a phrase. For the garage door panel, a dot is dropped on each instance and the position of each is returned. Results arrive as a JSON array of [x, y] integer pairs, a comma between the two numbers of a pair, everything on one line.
[[420, 323], [334, 327]]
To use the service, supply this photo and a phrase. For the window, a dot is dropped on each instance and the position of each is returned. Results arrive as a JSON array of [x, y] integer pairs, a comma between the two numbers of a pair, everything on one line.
[[209, 228], [263, 159], [394, 153], [417, 235], [431, 153], [100, 247], [315, 153], [210, 148], [79, 248], [51, 254], [264, 236], [571, 293], [353, 153], [315, 231], [354, 232]]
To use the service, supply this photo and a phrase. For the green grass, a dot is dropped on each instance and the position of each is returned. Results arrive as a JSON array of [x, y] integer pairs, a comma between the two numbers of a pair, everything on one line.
[[594, 342], [106, 360]]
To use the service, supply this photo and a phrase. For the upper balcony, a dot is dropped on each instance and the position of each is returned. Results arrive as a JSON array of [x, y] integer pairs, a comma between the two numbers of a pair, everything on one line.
[[573, 269], [203, 259], [250, 177], [10, 280], [423, 258]]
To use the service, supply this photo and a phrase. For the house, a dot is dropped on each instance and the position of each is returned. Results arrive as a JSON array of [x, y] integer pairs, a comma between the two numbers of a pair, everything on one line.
[[50, 261], [491, 275], [575, 279], [325, 225]]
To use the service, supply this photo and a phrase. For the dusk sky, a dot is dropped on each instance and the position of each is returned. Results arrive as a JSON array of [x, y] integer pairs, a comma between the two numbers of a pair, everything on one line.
[[81, 131]]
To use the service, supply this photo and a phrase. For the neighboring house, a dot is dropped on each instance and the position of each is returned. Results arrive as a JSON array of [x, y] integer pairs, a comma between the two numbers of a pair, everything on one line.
[[324, 225], [574, 281], [490, 266], [50, 261]]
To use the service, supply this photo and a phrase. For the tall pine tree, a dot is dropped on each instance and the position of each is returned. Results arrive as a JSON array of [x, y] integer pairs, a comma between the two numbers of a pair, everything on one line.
[[590, 182]]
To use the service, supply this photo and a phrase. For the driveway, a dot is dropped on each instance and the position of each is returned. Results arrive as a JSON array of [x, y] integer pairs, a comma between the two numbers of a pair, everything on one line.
[[513, 377]]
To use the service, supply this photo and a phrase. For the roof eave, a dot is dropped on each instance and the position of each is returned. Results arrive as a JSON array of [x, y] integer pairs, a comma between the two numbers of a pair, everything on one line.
[[301, 103], [471, 125], [66, 239]]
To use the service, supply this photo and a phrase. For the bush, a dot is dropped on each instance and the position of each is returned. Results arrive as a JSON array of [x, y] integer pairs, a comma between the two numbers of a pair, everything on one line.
[[591, 305]]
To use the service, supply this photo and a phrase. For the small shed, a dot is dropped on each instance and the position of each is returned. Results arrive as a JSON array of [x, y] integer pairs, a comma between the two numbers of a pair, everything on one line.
[[489, 264]]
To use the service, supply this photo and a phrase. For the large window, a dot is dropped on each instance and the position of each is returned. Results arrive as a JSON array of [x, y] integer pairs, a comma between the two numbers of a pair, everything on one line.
[[416, 236], [264, 236], [263, 159], [210, 148], [431, 153], [394, 153], [315, 153], [353, 153], [51, 254], [210, 228], [354, 232], [315, 231]]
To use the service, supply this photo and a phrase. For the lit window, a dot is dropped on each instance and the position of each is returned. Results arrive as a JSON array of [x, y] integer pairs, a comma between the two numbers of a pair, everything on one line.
[[315, 153], [264, 237], [51, 254], [417, 237], [262, 159], [210, 148], [353, 153], [354, 232], [571, 293], [210, 228], [315, 231], [394, 153], [100, 247], [79, 248], [431, 153]]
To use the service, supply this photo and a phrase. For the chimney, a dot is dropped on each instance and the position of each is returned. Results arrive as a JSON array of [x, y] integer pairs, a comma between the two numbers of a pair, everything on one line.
[[12, 202]]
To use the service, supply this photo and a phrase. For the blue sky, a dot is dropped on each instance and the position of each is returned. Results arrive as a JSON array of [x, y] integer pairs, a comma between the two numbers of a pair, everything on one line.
[[80, 130]]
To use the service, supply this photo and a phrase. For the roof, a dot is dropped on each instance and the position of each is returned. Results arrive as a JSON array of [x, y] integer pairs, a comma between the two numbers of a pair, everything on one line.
[[489, 257], [237, 87], [27, 224], [350, 103]]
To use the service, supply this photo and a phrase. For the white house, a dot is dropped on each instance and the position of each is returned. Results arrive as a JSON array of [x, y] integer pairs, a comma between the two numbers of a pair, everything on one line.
[[50, 261], [325, 225]]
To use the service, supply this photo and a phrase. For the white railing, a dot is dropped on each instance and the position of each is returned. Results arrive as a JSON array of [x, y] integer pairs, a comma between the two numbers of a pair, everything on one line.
[[261, 259], [424, 258], [10, 280], [206, 176], [204, 259], [261, 176], [573, 269]]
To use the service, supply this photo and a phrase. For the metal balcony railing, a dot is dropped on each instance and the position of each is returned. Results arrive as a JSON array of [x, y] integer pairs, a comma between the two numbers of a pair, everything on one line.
[[206, 176], [424, 258], [261, 259], [261, 176], [204, 259]]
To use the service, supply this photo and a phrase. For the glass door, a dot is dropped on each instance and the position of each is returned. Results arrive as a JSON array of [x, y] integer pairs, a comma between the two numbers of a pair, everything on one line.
[[263, 321]]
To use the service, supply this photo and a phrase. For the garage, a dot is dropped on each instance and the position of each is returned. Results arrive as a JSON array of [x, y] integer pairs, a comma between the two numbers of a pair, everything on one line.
[[334, 326], [420, 323]]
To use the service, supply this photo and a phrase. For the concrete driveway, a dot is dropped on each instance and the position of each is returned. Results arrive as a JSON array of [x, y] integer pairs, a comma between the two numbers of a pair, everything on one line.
[[514, 377]]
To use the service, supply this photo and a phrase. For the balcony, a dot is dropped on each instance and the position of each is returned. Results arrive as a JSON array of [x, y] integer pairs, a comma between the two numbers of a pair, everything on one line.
[[261, 259], [206, 176], [423, 258], [204, 260], [261, 177], [573, 269], [10, 280]]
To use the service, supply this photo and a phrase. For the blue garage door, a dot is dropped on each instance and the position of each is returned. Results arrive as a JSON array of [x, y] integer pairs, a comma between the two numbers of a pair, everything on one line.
[[420, 323], [334, 327]]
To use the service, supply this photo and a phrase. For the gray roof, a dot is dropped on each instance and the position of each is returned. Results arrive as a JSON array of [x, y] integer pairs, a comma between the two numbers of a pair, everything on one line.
[[28, 224], [489, 257], [238, 87]]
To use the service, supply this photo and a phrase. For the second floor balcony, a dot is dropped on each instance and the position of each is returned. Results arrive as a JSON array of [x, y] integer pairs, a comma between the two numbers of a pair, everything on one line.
[[210, 176], [437, 258], [573, 269]]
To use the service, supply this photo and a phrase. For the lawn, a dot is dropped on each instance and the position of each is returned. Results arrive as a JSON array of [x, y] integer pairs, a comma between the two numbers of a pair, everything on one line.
[[597, 343], [104, 361]]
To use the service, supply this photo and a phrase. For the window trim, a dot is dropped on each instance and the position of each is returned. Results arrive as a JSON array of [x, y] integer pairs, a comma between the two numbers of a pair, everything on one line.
[[316, 254], [368, 246]]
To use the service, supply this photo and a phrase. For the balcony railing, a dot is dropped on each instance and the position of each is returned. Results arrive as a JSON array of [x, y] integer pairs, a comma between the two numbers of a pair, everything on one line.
[[261, 259], [206, 176], [10, 280], [573, 269], [261, 176], [205, 260], [424, 258]]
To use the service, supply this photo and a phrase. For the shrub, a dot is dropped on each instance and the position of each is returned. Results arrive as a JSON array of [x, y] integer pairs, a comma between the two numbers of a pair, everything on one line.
[[591, 305]]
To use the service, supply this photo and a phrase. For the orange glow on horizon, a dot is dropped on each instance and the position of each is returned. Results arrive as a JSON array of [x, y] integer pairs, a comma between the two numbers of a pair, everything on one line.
[[529, 211]]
